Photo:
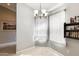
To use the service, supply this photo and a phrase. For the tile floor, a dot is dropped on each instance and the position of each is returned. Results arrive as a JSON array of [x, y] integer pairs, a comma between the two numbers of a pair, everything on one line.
[[39, 51], [6, 51], [72, 48]]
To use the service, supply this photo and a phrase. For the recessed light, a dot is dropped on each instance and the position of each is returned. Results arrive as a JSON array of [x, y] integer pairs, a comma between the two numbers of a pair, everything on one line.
[[8, 4]]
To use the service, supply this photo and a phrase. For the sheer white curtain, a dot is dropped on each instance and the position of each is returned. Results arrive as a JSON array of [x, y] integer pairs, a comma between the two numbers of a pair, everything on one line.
[[40, 30], [57, 27]]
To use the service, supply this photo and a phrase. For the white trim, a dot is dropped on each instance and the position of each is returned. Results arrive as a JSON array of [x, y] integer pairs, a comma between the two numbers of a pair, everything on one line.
[[7, 44], [57, 9], [25, 49]]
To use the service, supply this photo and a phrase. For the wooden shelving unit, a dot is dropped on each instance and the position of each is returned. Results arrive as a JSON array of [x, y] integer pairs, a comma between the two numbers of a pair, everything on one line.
[[68, 33], [71, 24]]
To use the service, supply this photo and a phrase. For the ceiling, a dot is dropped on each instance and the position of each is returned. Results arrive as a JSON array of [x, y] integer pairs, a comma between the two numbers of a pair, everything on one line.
[[10, 6], [46, 6]]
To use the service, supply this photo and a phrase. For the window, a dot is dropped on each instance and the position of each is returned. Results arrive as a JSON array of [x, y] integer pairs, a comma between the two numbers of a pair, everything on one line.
[[57, 27], [40, 30]]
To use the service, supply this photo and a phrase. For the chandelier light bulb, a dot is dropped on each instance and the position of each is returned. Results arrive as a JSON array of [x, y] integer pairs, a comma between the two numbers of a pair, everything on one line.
[[40, 13], [43, 11], [35, 12], [46, 14], [8, 4]]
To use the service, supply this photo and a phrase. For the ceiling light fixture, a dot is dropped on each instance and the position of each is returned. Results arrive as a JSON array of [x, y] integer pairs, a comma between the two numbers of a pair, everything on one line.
[[40, 13]]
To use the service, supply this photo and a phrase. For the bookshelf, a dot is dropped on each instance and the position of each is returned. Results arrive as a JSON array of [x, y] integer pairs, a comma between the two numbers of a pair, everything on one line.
[[71, 30]]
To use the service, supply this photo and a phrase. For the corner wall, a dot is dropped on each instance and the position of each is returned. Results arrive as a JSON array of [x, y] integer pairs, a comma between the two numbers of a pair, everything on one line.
[[72, 9]]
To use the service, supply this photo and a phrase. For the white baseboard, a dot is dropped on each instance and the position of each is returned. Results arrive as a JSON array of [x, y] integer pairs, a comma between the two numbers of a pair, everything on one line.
[[7, 44], [57, 44], [25, 49]]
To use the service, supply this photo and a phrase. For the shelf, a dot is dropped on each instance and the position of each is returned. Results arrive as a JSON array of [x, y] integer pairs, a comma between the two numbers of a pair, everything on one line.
[[74, 30], [70, 24], [71, 37], [71, 30]]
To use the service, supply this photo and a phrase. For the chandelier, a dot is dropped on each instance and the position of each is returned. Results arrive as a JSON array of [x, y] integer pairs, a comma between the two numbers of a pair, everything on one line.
[[40, 13]]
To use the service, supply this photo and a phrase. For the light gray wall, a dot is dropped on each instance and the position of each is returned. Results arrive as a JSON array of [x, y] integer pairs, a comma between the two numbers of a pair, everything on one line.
[[72, 9], [7, 36], [24, 26]]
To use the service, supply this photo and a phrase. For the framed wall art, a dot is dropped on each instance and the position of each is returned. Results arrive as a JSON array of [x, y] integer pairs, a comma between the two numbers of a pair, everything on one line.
[[8, 25]]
